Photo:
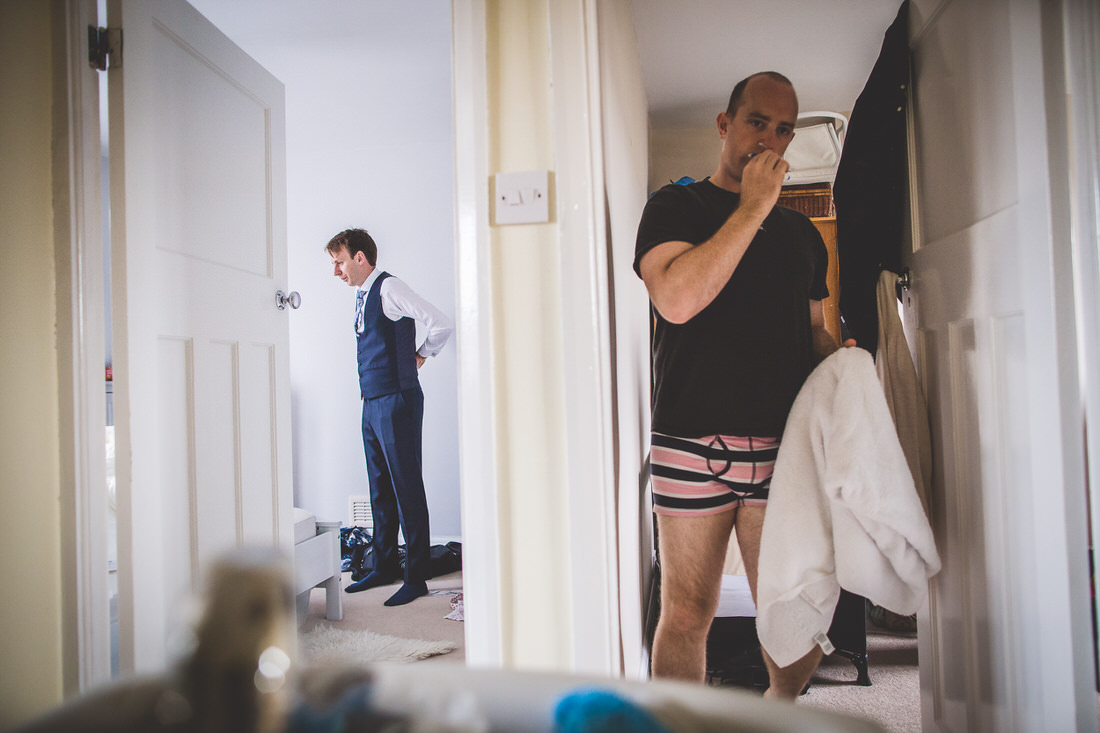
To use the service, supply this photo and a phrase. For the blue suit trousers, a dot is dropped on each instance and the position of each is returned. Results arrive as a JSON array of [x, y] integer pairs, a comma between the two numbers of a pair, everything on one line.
[[392, 432]]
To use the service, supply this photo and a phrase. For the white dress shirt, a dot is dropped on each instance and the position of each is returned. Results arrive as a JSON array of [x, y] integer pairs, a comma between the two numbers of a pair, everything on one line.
[[399, 301]]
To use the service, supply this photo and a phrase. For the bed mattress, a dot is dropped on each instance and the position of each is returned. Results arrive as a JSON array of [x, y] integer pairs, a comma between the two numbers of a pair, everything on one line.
[[735, 599]]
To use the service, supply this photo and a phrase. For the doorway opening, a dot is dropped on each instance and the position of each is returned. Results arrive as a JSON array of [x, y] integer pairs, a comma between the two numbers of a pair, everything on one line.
[[109, 428], [368, 145], [683, 105]]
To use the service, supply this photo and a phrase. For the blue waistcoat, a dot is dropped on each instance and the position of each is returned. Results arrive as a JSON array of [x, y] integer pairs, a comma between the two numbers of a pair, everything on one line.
[[386, 349]]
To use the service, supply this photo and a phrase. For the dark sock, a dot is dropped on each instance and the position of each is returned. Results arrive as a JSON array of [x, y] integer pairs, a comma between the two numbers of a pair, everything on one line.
[[372, 580], [408, 592]]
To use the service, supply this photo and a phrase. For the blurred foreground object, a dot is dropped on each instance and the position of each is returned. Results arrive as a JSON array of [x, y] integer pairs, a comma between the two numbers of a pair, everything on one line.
[[235, 679], [241, 676]]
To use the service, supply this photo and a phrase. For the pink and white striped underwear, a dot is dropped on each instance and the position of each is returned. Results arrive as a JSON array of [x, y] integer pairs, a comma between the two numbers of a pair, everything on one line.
[[712, 474]]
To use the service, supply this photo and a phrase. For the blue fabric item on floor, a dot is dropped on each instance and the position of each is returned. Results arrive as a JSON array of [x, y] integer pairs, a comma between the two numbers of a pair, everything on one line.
[[351, 537], [355, 544], [600, 711]]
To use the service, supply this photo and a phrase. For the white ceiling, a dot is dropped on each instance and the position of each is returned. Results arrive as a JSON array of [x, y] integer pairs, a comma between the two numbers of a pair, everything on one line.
[[694, 51]]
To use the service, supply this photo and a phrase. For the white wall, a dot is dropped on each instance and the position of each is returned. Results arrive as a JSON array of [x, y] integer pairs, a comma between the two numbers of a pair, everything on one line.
[[536, 623], [567, 423], [369, 144]]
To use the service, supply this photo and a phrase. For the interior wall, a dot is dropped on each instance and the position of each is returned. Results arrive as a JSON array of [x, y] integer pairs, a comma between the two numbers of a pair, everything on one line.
[[30, 612], [675, 152], [535, 615], [532, 75], [369, 144]]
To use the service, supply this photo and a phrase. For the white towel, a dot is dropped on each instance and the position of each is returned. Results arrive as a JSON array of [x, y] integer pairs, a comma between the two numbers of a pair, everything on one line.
[[842, 512]]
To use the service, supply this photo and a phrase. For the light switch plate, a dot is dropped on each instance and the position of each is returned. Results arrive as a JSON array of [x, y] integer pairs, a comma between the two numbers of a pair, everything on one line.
[[522, 197]]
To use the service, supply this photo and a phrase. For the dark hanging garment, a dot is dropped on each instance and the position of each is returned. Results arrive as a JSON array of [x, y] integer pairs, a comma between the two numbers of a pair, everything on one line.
[[872, 184]]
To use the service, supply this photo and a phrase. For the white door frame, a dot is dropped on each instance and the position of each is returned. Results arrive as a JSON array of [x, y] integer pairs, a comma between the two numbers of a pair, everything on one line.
[[85, 603], [479, 482], [1060, 531], [586, 309], [1082, 28]]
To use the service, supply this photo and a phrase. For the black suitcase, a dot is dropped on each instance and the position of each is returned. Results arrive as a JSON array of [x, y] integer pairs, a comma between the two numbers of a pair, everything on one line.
[[733, 649]]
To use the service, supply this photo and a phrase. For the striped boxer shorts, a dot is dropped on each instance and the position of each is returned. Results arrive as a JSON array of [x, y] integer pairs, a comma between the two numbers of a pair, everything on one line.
[[712, 474]]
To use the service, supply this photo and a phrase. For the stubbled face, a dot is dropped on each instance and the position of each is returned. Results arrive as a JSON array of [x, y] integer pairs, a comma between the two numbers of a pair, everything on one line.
[[764, 120], [352, 270]]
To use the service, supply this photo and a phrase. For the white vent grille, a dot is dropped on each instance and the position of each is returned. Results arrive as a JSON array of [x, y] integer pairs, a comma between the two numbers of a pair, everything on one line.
[[360, 513]]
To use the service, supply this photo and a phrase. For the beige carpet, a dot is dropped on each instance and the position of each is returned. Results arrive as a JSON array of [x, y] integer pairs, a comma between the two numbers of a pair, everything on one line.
[[892, 700], [423, 619]]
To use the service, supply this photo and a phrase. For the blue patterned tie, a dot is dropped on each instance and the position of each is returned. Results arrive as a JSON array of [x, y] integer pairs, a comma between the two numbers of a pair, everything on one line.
[[359, 296]]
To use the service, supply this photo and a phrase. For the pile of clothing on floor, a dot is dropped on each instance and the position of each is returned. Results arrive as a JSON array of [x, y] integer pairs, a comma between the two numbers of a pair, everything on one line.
[[357, 556]]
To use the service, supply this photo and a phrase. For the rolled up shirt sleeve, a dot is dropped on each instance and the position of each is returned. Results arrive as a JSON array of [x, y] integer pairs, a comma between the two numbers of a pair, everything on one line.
[[400, 301]]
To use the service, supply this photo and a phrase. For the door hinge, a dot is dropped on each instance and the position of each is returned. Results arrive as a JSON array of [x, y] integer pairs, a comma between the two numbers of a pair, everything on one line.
[[104, 45]]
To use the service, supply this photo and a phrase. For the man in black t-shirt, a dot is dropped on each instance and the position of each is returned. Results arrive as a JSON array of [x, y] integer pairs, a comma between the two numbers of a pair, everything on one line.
[[737, 285]]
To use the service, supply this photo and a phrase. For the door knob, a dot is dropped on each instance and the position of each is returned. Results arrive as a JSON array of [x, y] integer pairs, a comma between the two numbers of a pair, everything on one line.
[[282, 300]]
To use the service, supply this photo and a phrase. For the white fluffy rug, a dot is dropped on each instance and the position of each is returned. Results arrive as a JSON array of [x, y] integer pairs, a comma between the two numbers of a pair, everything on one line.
[[327, 645]]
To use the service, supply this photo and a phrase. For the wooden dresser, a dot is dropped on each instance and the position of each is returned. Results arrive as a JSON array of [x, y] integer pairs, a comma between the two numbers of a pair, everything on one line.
[[827, 226]]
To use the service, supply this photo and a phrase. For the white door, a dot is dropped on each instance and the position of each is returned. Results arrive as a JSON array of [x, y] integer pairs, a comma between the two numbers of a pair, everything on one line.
[[1006, 646], [202, 399]]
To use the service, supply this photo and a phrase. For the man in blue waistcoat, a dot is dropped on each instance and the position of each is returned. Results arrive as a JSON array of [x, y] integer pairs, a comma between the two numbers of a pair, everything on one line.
[[386, 312]]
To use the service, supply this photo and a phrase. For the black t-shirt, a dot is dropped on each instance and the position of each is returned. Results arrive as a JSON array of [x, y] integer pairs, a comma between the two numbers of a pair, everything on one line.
[[735, 367]]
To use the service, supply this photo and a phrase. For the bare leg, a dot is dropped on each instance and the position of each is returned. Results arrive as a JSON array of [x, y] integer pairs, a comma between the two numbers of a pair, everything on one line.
[[786, 682], [693, 550]]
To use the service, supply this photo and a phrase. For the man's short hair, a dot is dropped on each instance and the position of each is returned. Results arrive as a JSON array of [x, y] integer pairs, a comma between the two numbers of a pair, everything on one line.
[[739, 90], [354, 240]]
